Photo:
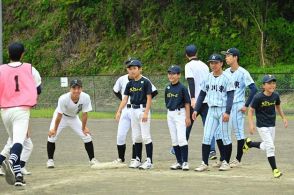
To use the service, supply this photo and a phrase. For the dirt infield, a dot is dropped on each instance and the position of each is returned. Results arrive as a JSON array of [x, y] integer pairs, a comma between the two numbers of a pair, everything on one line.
[[72, 174]]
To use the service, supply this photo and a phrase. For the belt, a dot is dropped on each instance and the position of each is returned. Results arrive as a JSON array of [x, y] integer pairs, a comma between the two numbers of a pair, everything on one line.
[[175, 109], [134, 106], [67, 115], [129, 105]]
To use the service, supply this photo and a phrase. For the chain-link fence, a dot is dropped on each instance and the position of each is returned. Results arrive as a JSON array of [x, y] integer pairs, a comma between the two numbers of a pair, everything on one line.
[[103, 99]]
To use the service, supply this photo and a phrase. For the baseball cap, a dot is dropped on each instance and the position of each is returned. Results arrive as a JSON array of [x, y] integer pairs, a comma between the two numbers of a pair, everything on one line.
[[215, 58], [232, 51], [129, 60], [76, 82], [268, 78], [191, 50], [134, 63], [174, 69]]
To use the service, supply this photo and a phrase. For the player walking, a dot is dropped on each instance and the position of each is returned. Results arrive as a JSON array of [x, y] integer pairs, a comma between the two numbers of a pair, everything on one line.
[[177, 101], [265, 105], [139, 90], [66, 115], [17, 95], [219, 89]]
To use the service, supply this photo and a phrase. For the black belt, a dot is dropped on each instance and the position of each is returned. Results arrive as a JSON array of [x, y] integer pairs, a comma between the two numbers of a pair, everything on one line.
[[67, 115], [134, 106], [175, 109], [129, 105]]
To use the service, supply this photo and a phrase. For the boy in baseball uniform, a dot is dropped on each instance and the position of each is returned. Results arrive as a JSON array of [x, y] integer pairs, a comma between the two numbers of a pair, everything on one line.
[[264, 105], [66, 115], [177, 101], [139, 91]]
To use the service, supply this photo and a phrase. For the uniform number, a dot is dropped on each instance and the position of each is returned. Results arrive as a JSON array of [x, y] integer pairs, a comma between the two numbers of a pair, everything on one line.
[[16, 83]]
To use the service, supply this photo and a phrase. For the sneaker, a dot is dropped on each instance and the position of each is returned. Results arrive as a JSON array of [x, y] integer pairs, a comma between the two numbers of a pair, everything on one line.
[[217, 164], [172, 151], [202, 167], [19, 181], [185, 166], [277, 173], [225, 166], [176, 166], [1, 172], [235, 163], [9, 173], [146, 165], [212, 155], [50, 163], [24, 171], [246, 146], [118, 161], [93, 162], [135, 163]]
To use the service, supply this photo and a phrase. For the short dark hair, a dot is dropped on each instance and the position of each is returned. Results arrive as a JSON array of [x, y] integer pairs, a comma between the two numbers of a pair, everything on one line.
[[15, 51]]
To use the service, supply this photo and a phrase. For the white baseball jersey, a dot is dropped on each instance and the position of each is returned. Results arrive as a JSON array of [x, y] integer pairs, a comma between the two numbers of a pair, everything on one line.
[[242, 79], [67, 107], [197, 70], [216, 89]]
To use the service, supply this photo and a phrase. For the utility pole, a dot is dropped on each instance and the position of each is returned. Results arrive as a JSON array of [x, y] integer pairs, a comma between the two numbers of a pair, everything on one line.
[[1, 35]]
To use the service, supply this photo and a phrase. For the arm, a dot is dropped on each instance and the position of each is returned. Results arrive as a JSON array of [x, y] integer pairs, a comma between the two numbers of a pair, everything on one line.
[[121, 106], [191, 84], [230, 98], [84, 122], [199, 103], [187, 109], [147, 109], [252, 92], [39, 90], [250, 120], [53, 131], [281, 113], [118, 95], [154, 93]]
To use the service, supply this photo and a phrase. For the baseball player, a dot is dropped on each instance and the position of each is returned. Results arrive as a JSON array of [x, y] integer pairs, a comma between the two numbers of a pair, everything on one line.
[[18, 94], [66, 115], [139, 90], [265, 105], [242, 79], [124, 123], [177, 101], [219, 89]]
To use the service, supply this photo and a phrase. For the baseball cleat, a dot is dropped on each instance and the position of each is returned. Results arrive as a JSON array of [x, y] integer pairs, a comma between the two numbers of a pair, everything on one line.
[[146, 165], [277, 173], [235, 163], [212, 155], [217, 164], [176, 166], [24, 171], [1, 171], [225, 166], [185, 166], [93, 162], [19, 181], [135, 163], [118, 161], [202, 167], [50, 163], [9, 173], [246, 144]]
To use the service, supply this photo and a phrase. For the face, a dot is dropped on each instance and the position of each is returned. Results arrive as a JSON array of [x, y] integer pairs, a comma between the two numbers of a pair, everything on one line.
[[134, 71], [230, 59], [129, 73], [173, 78], [216, 66], [75, 92], [270, 86]]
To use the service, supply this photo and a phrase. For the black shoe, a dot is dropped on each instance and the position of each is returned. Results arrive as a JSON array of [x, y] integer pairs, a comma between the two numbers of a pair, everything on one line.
[[19, 181]]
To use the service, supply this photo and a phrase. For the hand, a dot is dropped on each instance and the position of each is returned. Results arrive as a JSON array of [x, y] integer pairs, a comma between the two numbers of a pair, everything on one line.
[[251, 129], [285, 122], [226, 117], [117, 116], [145, 117], [86, 131], [194, 115], [52, 133], [193, 103], [243, 109], [188, 121]]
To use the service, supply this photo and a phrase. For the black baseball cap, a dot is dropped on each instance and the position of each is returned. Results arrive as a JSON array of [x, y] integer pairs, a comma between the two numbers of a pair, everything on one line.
[[268, 78], [175, 69], [76, 82], [232, 51], [134, 63], [215, 58], [191, 50]]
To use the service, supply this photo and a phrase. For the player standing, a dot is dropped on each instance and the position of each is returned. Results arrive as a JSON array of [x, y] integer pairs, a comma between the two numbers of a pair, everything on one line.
[[66, 115], [265, 105], [177, 101], [139, 90], [124, 123], [219, 89], [18, 95]]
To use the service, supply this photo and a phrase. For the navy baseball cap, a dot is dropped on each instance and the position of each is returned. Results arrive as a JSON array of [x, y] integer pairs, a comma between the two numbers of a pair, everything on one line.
[[175, 69], [129, 60], [191, 50], [134, 63], [268, 78], [215, 58], [232, 51], [76, 82]]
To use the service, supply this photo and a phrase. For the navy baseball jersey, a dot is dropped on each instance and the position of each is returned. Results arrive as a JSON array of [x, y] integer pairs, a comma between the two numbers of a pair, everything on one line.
[[265, 109], [138, 91], [176, 96]]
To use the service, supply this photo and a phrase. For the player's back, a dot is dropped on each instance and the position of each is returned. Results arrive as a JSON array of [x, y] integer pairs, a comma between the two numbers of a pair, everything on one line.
[[17, 86]]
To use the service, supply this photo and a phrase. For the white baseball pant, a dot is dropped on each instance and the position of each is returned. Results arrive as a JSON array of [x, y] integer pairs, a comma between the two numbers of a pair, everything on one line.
[[267, 135], [124, 125], [236, 122], [177, 126], [140, 130]]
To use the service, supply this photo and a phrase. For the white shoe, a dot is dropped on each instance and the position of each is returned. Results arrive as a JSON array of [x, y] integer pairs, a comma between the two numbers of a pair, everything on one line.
[[24, 171], [118, 161], [176, 166], [93, 162], [185, 166], [217, 164], [50, 163], [202, 167], [1, 172], [235, 163], [225, 166], [146, 165], [135, 163]]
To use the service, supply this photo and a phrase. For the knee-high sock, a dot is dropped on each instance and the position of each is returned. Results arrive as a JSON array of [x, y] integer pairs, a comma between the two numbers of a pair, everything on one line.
[[138, 150], [2, 158], [240, 145], [149, 150], [90, 149], [227, 152], [254, 144], [133, 152], [220, 145], [184, 152], [15, 157], [205, 153], [272, 162], [178, 154], [50, 150], [22, 164], [121, 149]]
